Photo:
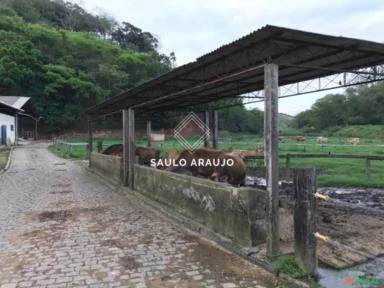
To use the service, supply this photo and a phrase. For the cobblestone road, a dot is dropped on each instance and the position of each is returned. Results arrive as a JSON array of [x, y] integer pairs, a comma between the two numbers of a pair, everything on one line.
[[60, 226]]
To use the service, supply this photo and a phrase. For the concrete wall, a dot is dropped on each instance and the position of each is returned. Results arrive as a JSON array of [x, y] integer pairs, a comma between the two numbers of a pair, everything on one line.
[[8, 121], [236, 213], [110, 166]]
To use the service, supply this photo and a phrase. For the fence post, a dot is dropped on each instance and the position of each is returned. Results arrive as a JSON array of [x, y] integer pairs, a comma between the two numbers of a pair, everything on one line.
[[287, 166], [368, 168], [304, 181]]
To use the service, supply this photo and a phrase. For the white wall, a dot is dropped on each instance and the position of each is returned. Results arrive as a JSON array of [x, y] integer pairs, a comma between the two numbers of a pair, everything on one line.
[[8, 121]]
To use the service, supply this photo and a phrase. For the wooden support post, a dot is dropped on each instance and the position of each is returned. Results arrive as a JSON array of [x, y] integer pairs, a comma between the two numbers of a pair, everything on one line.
[[125, 146], [304, 181], [132, 147], [368, 168], [206, 121], [271, 140], [287, 166], [215, 128], [128, 146], [90, 141], [149, 132]]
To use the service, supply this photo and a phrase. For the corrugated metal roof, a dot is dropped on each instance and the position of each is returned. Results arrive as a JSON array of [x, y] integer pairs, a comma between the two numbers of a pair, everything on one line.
[[234, 68]]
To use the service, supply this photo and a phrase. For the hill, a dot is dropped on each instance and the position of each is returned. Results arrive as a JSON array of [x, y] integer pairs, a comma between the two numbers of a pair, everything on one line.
[[66, 67]]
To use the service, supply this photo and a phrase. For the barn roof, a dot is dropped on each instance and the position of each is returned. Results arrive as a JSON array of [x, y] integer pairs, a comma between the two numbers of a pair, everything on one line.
[[236, 68], [15, 101], [8, 109]]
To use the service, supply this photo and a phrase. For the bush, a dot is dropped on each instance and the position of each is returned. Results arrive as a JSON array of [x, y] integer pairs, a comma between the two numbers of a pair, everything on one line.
[[287, 264]]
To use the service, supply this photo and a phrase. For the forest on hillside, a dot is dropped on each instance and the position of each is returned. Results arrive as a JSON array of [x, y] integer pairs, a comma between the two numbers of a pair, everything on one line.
[[361, 105], [67, 59]]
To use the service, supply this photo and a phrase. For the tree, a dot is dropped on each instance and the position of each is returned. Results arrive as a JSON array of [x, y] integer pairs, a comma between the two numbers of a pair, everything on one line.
[[133, 38]]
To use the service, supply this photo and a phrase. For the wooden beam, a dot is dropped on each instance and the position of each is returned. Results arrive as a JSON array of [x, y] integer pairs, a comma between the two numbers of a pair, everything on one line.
[[131, 147], [149, 132], [206, 121], [304, 183], [271, 146], [215, 129]]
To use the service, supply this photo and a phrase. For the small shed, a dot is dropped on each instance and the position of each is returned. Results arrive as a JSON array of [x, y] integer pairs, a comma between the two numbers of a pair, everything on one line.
[[21, 122], [7, 123]]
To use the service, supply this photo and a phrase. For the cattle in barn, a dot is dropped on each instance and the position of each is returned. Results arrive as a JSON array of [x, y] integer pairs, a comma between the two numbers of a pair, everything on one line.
[[353, 140], [299, 138], [115, 149], [322, 140], [143, 154], [167, 159], [234, 174]]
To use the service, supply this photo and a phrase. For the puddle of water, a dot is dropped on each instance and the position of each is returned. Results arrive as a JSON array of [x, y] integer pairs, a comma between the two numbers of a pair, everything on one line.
[[362, 197], [335, 279]]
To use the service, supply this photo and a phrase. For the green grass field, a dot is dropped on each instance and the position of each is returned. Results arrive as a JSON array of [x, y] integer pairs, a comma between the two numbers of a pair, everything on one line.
[[4, 154], [331, 171]]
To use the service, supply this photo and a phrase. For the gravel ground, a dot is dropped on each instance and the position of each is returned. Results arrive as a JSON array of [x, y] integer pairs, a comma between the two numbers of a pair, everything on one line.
[[60, 226]]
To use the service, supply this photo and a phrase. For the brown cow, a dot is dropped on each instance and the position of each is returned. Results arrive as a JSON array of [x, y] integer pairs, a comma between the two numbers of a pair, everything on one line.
[[167, 159], [202, 163], [115, 149], [299, 138], [144, 154]]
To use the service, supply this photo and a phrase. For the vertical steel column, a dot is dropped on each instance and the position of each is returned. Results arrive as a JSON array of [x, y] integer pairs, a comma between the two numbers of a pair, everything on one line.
[[215, 132], [90, 141], [149, 132], [206, 121], [271, 137]]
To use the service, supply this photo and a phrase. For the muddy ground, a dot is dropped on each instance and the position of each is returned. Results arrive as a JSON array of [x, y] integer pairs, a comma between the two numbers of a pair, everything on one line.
[[353, 220]]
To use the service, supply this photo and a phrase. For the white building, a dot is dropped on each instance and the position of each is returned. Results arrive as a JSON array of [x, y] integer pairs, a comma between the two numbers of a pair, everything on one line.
[[10, 107]]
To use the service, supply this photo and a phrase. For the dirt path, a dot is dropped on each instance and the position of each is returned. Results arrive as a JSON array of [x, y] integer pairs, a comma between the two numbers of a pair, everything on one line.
[[60, 226]]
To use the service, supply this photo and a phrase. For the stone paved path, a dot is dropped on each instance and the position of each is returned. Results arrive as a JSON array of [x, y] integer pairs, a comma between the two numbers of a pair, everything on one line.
[[60, 226]]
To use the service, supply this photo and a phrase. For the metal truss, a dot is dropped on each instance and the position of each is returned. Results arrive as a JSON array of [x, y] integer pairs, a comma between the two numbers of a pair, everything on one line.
[[339, 80]]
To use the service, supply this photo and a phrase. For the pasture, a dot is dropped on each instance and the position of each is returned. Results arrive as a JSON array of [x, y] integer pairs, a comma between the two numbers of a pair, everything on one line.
[[331, 171]]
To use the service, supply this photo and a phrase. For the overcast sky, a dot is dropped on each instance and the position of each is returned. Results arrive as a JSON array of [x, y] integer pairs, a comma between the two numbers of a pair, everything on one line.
[[192, 28]]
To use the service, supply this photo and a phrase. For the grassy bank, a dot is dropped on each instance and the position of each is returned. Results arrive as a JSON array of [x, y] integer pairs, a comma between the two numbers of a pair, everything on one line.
[[4, 154]]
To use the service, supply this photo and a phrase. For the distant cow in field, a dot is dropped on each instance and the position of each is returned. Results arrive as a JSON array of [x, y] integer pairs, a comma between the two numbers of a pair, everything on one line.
[[299, 138], [245, 153], [322, 140], [353, 140]]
